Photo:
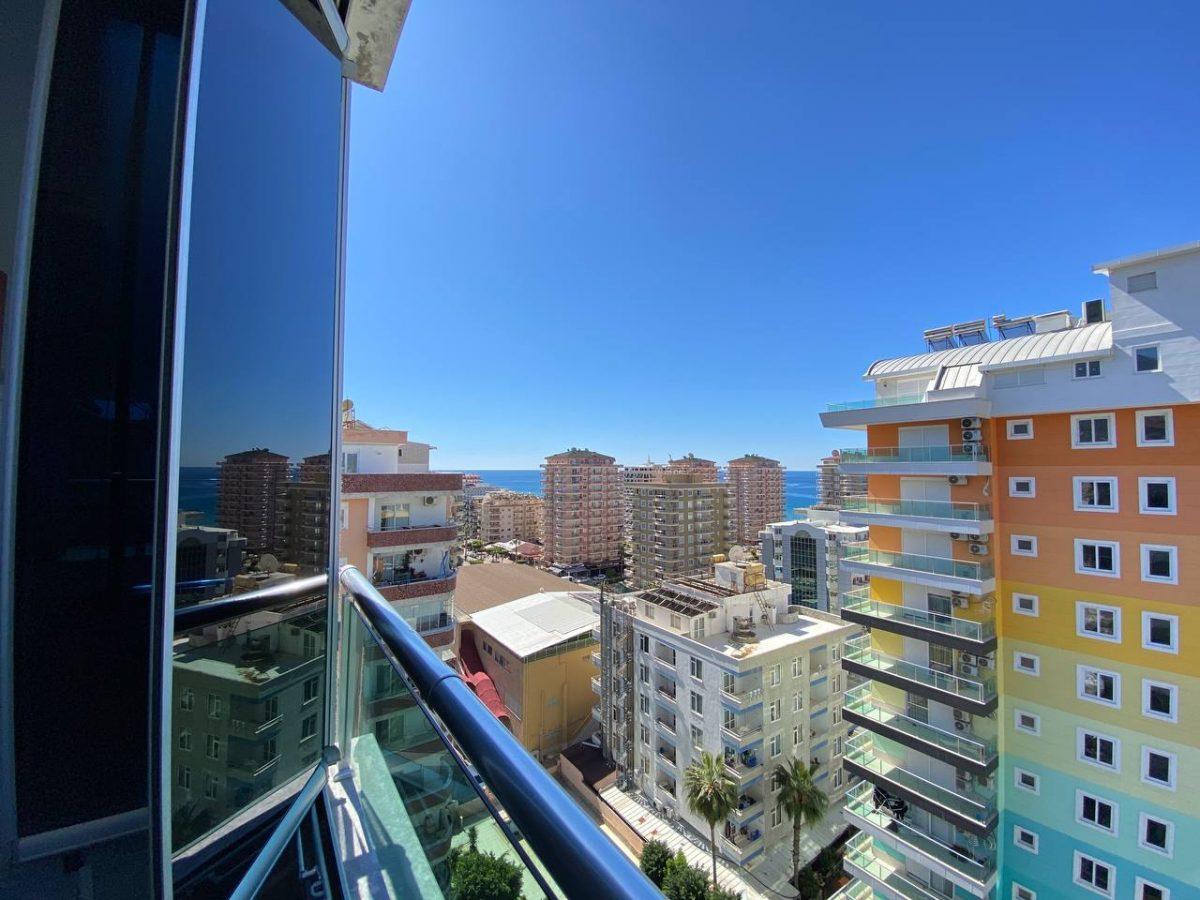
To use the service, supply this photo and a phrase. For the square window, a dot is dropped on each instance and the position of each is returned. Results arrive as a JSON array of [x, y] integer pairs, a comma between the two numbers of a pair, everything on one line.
[[1087, 369], [1100, 622], [1160, 632], [1159, 564], [1158, 767], [1025, 839], [1094, 875], [1095, 493], [1156, 495], [1024, 545], [1093, 430], [1155, 428], [1148, 890], [1098, 749], [1147, 281], [1022, 486], [1160, 700], [1026, 781], [1095, 812], [1028, 722], [1157, 835], [1020, 892], [1027, 663], [1098, 686], [1025, 604], [1019, 429], [1098, 558], [1147, 359]]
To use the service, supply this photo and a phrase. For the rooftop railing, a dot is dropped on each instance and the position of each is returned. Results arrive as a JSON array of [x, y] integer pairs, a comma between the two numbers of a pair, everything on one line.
[[947, 453]]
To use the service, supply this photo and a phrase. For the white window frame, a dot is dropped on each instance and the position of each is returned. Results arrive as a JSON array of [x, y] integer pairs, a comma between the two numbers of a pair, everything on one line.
[[1075, 376], [776, 816], [696, 704], [1020, 892], [1012, 435], [696, 668], [775, 745], [1112, 874], [1081, 736], [1157, 353], [1081, 673], [1032, 847], [1080, 543], [1172, 551], [1035, 788], [1146, 779], [1141, 883], [1146, 643], [1077, 444], [1035, 729], [1077, 483], [1034, 611], [1017, 551], [1080, 796], [1141, 428], [1147, 685], [1037, 663], [1144, 481], [1081, 608], [1167, 851], [1022, 495]]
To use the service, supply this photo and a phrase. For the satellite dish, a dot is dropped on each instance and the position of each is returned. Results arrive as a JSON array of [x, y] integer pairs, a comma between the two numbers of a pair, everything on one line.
[[268, 563]]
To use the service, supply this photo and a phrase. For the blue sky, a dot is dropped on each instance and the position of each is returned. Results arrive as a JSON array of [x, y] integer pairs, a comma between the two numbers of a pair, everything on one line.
[[655, 228]]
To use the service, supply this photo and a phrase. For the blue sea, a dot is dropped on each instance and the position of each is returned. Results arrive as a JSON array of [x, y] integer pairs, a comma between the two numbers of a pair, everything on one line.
[[800, 486]]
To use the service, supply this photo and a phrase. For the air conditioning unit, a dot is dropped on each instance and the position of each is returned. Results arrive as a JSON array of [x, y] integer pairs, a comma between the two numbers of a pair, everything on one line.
[[961, 715], [962, 601], [957, 480], [978, 549], [983, 662], [957, 536], [429, 501], [967, 657], [983, 780], [968, 671], [972, 435], [980, 538], [969, 422]]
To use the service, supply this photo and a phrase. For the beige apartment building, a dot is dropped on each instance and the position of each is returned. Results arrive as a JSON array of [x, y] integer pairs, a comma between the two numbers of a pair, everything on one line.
[[679, 522], [509, 516], [756, 484], [582, 508], [835, 485], [693, 464]]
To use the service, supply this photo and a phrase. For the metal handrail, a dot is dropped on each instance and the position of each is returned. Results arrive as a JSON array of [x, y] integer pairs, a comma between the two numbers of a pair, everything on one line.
[[216, 611], [568, 843]]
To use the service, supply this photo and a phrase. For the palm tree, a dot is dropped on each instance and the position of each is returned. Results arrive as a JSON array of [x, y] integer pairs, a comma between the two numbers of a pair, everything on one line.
[[711, 795], [801, 799]]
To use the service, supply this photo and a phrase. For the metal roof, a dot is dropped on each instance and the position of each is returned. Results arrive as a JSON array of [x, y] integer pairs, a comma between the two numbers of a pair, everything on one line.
[[1141, 258], [1028, 350], [537, 622]]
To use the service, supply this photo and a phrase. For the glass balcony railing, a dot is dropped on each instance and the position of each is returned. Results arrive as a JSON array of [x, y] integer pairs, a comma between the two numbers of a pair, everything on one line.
[[861, 806], [861, 701], [860, 856], [916, 562], [920, 509], [859, 650], [876, 402], [855, 890], [860, 601], [949, 453]]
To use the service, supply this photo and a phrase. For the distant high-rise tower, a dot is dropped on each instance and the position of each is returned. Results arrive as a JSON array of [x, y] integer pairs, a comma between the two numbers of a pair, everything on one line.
[[757, 486], [705, 468], [834, 486], [581, 492], [248, 495], [680, 520]]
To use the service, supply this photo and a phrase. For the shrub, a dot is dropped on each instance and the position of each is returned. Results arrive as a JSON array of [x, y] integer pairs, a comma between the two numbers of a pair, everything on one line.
[[655, 857], [683, 882]]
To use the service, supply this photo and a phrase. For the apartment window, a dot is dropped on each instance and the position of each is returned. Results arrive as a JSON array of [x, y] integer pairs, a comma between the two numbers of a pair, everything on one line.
[[643, 673], [1028, 722], [1024, 545], [776, 816], [1025, 839], [1025, 604], [697, 736], [185, 740], [644, 734], [1147, 358], [774, 710], [797, 702], [698, 627], [1160, 632], [1159, 564], [1036, 375], [644, 703], [728, 683], [1093, 430], [1027, 781], [1020, 892], [676, 621], [1019, 429], [1089, 368], [1160, 700], [797, 669], [1095, 494], [1155, 428], [696, 667], [212, 787], [1148, 890], [1094, 875], [183, 778], [1156, 495], [1156, 835], [312, 688], [836, 715], [1100, 622], [1098, 749], [212, 746], [308, 727], [1147, 281], [343, 516], [776, 746], [1098, 686], [644, 643], [776, 675], [214, 706], [187, 699], [1022, 486], [1027, 663], [1098, 558], [350, 463], [1158, 767], [1095, 812], [697, 703], [795, 735]]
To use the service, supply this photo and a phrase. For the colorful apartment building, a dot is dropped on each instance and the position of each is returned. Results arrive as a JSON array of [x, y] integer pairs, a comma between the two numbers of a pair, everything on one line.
[[1034, 536], [757, 486], [582, 511], [397, 524]]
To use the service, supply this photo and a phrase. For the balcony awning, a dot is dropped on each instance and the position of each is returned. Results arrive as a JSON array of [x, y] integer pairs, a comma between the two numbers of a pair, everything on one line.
[[472, 671]]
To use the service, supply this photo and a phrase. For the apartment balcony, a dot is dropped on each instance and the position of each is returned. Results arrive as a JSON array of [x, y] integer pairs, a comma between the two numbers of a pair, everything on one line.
[[744, 764], [929, 515], [666, 693], [743, 841], [966, 808], [960, 749], [415, 587], [967, 862], [743, 731], [412, 535], [666, 723], [951, 459], [666, 754], [855, 890], [968, 635], [749, 804], [967, 577], [881, 874], [976, 697], [742, 693], [924, 406]]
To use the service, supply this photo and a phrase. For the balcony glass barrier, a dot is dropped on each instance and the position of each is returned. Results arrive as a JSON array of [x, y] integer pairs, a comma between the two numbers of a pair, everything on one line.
[[947, 453], [916, 562], [921, 509], [967, 802], [860, 601], [859, 650], [874, 402], [860, 852], [860, 700]]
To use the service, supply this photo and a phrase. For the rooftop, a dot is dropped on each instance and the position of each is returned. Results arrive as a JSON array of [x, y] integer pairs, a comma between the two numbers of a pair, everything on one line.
[[486, 585], [1138, 259], [537, 622], [753, 459]]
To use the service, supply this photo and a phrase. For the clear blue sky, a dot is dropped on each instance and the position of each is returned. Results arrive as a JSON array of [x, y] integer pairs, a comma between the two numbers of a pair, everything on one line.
[[654, 228]]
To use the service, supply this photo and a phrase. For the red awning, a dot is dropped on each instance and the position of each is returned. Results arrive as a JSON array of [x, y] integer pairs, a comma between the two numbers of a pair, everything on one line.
[[472, 671]]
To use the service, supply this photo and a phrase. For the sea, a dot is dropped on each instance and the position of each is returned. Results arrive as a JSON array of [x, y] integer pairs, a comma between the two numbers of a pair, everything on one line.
[[800, 487]]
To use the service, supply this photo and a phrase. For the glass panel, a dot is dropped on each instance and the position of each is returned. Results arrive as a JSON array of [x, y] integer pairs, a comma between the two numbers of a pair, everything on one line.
[[257, 403]]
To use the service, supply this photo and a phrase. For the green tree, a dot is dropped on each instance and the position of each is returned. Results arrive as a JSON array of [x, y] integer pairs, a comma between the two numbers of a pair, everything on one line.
[[711, 795], [720, 893], [682, 881], [655, 857], [810, 885], [482, 876], [802, 801]]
